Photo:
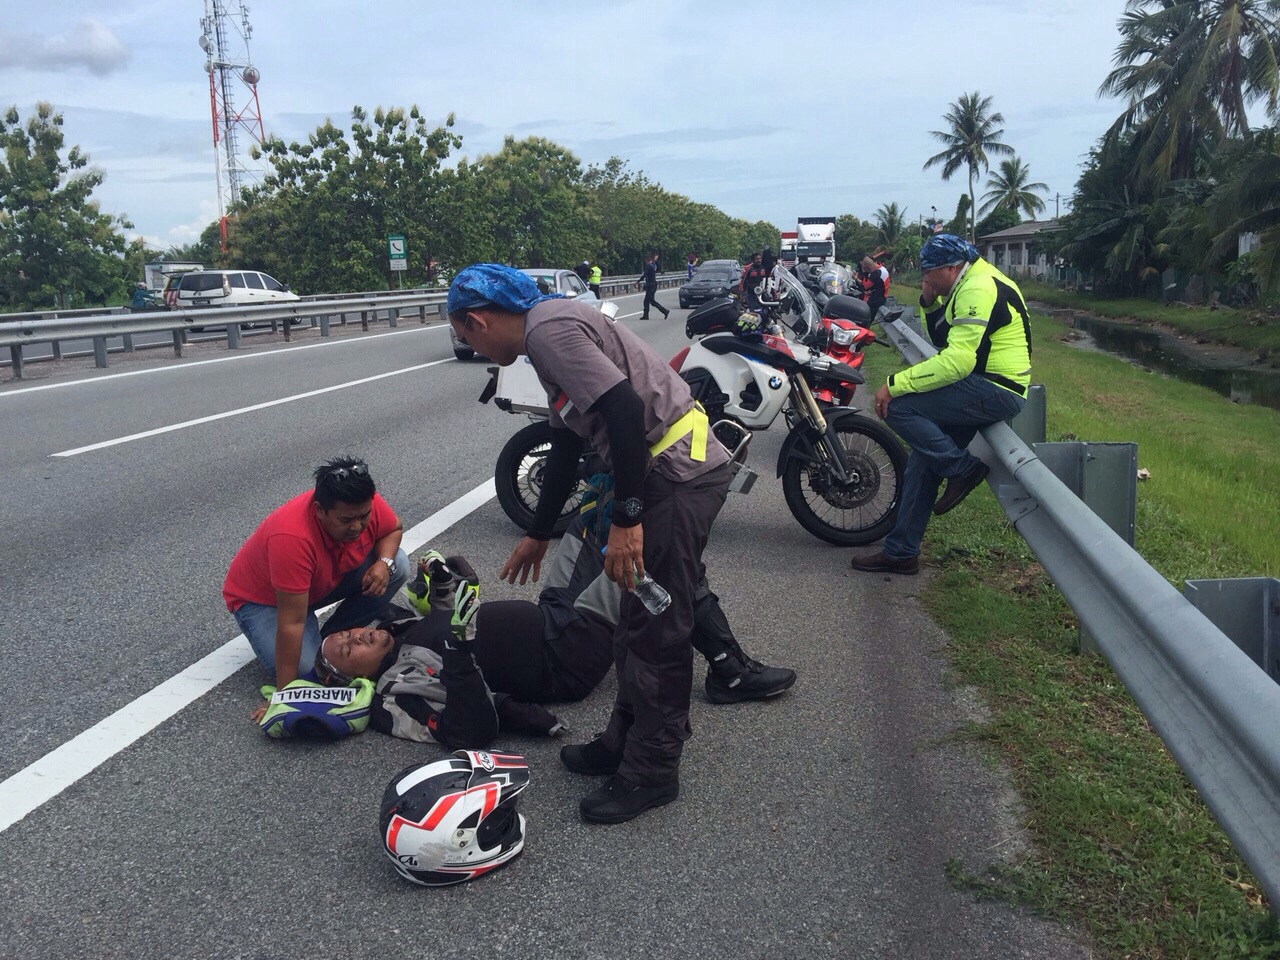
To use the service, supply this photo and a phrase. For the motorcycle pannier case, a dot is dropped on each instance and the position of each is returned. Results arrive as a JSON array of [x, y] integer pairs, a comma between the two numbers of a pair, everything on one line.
[[848, 308], [714, 316]]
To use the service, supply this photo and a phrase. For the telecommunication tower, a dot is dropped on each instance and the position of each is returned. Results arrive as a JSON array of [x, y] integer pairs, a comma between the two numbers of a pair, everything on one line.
[[233, 100]]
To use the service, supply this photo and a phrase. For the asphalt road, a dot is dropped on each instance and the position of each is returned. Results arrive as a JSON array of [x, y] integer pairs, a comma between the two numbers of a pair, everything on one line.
[[815, 825]]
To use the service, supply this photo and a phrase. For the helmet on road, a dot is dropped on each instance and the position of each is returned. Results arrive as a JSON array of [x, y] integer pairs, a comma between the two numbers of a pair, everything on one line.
[[455, 819], [945, 249]]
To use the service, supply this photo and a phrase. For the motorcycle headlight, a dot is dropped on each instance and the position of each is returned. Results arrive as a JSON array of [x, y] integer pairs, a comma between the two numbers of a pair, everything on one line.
[[842, 336], [830, 286]]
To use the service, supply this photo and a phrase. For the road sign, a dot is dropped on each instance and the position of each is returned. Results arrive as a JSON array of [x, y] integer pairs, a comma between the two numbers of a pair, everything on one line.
[[395, 249], [400, 264]]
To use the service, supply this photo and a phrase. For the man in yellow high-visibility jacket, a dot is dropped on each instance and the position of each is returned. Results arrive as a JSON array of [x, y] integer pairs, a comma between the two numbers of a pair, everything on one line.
[[978, 320]]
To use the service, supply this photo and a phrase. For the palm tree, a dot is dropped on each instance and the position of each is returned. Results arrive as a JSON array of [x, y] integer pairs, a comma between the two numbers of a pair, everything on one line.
[[1249, 202], [1009, 190], [890, 222], [1189, 69], [974, 133]]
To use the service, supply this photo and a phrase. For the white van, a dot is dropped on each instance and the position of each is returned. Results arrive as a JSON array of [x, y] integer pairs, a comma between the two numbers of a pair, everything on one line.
[[227, 288]]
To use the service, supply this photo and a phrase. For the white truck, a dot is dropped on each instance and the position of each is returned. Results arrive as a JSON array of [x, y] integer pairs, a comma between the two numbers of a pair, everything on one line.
[[787, 247], [816, 239]]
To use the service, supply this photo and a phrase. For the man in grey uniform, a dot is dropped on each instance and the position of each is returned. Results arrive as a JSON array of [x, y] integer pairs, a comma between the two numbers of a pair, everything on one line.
[[606, 385]]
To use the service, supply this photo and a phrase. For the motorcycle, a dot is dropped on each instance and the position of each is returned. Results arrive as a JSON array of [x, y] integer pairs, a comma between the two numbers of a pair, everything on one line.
[[841, 471]]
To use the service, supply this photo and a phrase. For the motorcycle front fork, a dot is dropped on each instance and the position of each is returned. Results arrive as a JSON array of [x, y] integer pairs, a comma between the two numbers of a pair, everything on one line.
[[824, 445]]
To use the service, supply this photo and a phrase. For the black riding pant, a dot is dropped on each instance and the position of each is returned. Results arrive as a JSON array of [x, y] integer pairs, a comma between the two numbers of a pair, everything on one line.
[[653, 655], [650, 299]]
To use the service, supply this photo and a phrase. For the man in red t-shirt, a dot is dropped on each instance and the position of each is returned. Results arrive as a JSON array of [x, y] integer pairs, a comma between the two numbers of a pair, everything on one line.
[[338, 543]]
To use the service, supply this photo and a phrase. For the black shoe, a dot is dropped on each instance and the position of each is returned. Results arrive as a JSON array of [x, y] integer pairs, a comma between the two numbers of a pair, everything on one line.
[[960, 487], [618, 800], [731, 679], [878, 563], [644, 316], [590, 759], [665, 314]]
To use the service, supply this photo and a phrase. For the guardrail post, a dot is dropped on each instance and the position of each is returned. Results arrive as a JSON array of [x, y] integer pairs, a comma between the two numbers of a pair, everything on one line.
[[393, 317], [1246, 609], [288, 330], [128, 342], [233, 336], [100, 352], [56, 347], [364, 320], [324, 325], [1105, 477], [1029, 424], [177, 343], [15, 357]]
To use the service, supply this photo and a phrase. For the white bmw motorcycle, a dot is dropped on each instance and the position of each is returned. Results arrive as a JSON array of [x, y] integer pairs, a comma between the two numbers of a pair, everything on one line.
[[841, 470]]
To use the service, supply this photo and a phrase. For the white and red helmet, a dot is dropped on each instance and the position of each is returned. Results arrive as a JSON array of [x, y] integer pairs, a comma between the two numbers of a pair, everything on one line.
[[455, 819]]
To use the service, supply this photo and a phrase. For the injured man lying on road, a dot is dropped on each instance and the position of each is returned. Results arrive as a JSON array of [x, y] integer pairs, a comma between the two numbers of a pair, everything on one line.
[[464, 671]]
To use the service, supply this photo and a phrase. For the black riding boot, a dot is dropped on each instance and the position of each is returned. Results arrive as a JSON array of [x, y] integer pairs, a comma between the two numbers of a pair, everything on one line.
[[731, 674]]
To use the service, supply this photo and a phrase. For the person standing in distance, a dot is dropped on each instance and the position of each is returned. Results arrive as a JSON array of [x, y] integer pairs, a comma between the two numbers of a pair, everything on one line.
[[594, 278], [607, 386], [978, 320], [650, 280]]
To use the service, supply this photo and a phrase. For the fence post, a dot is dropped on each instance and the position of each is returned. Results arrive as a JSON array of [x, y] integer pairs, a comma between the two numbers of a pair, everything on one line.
[[177, 343], [128, 342], [364, 320], [288, 329], [324, 325], [233, 336], [393, 317], [15, 357], [56, 346], [100, 352]]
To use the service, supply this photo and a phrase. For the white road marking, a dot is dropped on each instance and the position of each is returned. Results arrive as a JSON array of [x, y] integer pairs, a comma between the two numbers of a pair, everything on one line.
[[41, 781], [199, 363], [243, 410]]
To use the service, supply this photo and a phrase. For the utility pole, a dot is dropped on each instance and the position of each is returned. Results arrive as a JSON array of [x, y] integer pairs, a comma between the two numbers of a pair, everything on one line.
[[1055, 205]]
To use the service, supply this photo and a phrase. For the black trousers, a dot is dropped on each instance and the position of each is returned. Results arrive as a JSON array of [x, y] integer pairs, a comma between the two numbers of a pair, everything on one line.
[[653, 656], [650, 299]]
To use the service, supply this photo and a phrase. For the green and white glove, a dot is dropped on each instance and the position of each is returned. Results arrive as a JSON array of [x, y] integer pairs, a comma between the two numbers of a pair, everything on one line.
[[462, 624]]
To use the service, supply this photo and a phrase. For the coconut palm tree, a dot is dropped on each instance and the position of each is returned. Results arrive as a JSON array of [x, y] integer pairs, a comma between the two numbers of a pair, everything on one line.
[[1249, 202], [1009, 190], [1188, 70], [890, 222], [974, 132]]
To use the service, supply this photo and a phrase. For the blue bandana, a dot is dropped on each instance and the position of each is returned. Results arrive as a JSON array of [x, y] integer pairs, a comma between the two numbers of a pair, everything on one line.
[[493, 285], [944, 249]]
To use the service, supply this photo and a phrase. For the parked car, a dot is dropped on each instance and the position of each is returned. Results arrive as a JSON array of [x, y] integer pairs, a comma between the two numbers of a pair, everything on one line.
[[711, 279], [549, 280], [230, 288]]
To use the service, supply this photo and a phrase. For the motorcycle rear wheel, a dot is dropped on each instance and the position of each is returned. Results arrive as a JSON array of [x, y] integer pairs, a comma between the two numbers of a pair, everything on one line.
[[519, 474], [849, 515]]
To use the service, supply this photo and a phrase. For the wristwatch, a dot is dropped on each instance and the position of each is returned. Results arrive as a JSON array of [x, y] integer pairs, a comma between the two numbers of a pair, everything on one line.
[[390, 562], [631, 508]]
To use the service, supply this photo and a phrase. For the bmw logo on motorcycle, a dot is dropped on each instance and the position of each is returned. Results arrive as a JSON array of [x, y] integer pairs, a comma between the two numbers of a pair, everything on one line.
[[775, 383]]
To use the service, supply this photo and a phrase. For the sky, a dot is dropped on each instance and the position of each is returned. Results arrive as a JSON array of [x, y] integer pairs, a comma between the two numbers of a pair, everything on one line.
[[767, 111]]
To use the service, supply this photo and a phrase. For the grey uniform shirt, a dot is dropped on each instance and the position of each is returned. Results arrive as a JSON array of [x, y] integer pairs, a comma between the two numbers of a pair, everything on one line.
[[579, 355]]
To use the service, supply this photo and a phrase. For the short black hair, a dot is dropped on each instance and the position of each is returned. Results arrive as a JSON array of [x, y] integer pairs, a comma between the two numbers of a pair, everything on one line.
[[343, 480]]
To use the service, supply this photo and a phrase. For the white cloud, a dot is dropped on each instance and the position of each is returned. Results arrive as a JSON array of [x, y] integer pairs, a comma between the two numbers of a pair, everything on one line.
[[89, 44]]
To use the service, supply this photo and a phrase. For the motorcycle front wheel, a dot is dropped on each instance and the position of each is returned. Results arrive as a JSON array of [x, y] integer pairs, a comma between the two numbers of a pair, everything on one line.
[[849, 514], [519, 474]]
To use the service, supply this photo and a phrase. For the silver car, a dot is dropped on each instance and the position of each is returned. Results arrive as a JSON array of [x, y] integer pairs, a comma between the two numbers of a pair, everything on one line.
[[549, 280]]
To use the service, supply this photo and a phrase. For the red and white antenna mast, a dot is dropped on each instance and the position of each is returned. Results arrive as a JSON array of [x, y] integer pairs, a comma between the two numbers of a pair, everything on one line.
[[233, 100]]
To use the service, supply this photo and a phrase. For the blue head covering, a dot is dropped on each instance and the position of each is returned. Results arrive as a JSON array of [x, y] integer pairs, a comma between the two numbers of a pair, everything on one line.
[[944, 249], [493, 285]]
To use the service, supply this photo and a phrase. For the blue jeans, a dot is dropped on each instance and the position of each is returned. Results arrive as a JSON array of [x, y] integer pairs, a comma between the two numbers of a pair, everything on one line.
[[938, 426], [258, 621]]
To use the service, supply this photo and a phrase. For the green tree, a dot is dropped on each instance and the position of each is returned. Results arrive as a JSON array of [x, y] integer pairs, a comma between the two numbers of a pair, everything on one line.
[[1009, 190], [1248, 201], [854, 236], [890, 222], [973, 133], [1189, 70], [57, 249]]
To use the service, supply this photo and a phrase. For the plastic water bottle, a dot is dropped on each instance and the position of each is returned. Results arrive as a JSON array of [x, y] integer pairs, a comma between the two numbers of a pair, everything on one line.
[[652, 594]]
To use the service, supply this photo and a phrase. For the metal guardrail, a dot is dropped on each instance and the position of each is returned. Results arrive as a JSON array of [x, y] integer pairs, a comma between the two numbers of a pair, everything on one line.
[[1214, 708], [54, 327]]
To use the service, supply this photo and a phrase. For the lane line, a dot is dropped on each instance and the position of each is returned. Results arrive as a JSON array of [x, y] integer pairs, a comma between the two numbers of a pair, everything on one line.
[[200, 363], [102, 445], [42, 780]]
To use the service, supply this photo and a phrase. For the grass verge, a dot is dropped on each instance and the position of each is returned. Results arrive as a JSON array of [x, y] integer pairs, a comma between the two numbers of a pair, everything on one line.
[[1125, 849], [1250, 329]]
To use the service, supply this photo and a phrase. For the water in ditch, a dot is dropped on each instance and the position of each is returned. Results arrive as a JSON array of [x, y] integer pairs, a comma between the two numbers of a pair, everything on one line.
[[1160, 351]]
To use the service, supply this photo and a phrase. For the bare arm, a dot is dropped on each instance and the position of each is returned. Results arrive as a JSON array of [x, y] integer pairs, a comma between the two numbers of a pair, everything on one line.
[[378, 575], [291, 617]]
